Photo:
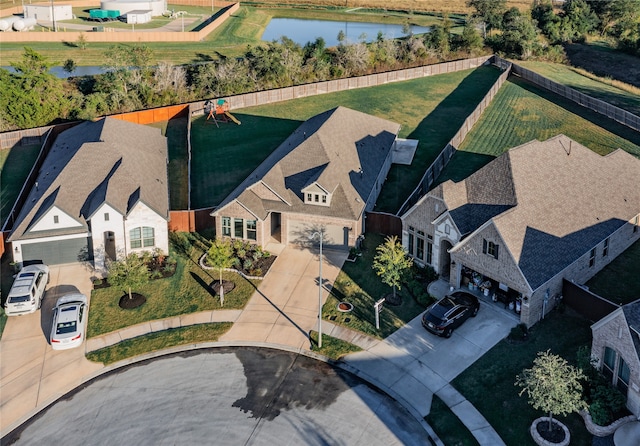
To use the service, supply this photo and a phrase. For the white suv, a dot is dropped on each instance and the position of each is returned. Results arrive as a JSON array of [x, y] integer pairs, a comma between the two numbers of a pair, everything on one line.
[[27, 291]]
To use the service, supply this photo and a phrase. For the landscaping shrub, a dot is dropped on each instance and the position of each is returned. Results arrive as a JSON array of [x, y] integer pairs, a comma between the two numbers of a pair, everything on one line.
[[519, 332]]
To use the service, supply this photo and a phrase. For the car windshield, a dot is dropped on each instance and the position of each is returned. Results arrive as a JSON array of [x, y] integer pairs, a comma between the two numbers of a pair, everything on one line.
[[66, 327], [430, 317], [442, 307], [17, 299], [23, 275]]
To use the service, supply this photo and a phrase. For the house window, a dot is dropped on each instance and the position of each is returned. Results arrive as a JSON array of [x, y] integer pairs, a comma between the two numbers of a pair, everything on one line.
[[309, 198], [317, 198], [605, 249], [106, 216], [56, 220], [410, 247], [420, 248], [447, 229], [238, 228], [251, 230], [490, 248], [429, 258], [226, 226], [623, 376], [324, 199], [592, 257], [609, 362], [636, 223], [142, 237]]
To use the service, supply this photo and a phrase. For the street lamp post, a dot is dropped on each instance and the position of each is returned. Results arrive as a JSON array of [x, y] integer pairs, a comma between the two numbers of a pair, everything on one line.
[[312, 237]]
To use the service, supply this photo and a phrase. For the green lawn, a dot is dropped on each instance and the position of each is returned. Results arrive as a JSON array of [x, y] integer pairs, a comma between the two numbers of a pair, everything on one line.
[[627, 99], [158, 341], [430, 109], [187, 291], [448, 426], [489, 383], [176, 132], [15, 165], [333, 348], [618, 281], [521, 112], [358, 284]]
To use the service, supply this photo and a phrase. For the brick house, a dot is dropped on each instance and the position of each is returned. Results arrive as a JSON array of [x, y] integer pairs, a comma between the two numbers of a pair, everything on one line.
[[616, 347], [102, 192], [324, 176], [538, 213]]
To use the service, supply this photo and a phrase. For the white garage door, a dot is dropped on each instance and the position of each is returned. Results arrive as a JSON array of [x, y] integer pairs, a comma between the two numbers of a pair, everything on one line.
[[335, 236]]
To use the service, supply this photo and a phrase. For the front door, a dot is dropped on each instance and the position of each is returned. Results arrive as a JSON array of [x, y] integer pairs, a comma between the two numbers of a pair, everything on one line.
[[110, 245], [445, 259], [275, 226]]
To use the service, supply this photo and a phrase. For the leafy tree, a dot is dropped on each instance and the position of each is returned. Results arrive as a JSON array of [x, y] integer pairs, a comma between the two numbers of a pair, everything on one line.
[[490, 11], [81, 42], [129, 273], [69, 66], [470, 40], [220, 255], [518, 34], [391, 262], [579, 18], [552, 385]]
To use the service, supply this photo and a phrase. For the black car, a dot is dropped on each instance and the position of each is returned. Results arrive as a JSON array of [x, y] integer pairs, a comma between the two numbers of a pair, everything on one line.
[[450, 312]]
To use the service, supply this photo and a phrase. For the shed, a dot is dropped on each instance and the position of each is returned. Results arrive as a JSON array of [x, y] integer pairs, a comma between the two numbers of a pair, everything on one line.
[[138, 16]]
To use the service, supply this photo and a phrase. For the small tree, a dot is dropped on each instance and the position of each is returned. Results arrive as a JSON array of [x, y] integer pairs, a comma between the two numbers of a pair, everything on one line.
[[552, 385], [220, 256], [128, 273], [391, 262], [81, 42]]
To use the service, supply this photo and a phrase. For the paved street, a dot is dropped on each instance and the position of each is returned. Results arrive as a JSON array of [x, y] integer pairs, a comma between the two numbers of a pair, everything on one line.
[[226, 397]]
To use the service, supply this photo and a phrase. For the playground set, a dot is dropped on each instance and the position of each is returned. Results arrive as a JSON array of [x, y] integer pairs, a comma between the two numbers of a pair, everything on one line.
[[219, 112]]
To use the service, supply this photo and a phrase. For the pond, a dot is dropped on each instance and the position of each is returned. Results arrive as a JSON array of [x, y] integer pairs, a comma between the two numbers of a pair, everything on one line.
[[302, 31]]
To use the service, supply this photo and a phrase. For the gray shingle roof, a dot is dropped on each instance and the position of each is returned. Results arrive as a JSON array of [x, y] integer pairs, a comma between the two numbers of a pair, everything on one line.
[[551, 201], [107, 161], [632, 314], [330, 149]]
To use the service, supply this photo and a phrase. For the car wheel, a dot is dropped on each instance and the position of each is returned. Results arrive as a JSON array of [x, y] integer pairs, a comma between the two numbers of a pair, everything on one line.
[[448, 332], [475, 311]]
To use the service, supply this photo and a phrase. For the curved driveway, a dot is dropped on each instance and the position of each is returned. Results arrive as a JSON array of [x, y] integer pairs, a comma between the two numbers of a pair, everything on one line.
[[240, 396]]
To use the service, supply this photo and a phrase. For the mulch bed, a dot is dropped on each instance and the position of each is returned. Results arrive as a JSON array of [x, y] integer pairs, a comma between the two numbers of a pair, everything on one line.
[[136, 301], [262, 264], [555, 435], [227, 285], [393, 301]]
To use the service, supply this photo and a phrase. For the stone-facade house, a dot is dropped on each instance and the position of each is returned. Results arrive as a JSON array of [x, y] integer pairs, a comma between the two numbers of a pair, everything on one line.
[[102, 192], [616, 347], [540, 212], [324, 176]]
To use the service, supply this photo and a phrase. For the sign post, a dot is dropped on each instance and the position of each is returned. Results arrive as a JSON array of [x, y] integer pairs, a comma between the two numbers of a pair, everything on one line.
[[377, 307]]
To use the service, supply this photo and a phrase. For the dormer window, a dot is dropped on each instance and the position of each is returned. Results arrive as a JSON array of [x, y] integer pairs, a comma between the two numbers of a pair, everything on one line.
[[317, 198], [309, 198], [56, 219], [324, 199]]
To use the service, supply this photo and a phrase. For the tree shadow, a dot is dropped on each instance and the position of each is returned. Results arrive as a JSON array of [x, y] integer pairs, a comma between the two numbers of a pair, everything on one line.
[[203, 284]]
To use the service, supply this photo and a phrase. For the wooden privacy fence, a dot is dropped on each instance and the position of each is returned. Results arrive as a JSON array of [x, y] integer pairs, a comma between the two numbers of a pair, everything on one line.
[[191, 220], [370, 80], [597, 105], [383, 223], [588, 304], [120, 35], [438, 165]]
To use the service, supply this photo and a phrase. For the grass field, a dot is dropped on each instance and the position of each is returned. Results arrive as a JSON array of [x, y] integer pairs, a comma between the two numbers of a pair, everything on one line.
[[15, 165], [623, 272], [509, 414], [448, 426], [521, 112], [176, 132], [627, 98], [159, 341], [429, 109], [187, 291]]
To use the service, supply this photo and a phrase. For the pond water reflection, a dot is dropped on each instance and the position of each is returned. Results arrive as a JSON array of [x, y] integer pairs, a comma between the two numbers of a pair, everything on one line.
[[302, 31]]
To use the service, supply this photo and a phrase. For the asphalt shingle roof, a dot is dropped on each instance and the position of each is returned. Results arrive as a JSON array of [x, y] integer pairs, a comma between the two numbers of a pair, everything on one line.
[[341, 150], [632, 314], [106, 161], [551, 201]]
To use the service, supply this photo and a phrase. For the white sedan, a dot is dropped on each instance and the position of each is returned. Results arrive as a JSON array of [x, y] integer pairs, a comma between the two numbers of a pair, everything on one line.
[[69, 321]]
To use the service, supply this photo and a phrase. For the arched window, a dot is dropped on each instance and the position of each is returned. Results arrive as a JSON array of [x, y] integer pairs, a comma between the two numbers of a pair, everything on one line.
[[142, 237]]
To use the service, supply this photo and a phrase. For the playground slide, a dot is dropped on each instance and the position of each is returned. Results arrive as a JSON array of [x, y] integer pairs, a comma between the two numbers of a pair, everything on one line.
[[233, 118]]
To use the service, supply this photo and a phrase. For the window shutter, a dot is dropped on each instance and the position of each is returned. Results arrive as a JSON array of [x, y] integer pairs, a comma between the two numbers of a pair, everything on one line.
[[497, 246], [484, 246]]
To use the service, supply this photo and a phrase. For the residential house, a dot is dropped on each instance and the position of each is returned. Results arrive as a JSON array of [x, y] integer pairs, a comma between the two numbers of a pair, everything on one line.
[[102, 193], [324, 176], [616, 347], [540, 212]]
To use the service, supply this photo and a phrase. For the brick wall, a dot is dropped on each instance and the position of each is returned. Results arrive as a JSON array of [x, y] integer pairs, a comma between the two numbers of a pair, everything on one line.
[[614, 333]]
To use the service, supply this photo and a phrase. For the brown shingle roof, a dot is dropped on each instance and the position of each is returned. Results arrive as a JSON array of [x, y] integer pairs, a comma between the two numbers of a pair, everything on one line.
[[107, 161], [330, 149]]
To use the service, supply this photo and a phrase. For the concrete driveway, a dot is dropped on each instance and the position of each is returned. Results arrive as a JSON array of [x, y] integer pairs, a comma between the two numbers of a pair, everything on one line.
[[285, 308], [31, 372]]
